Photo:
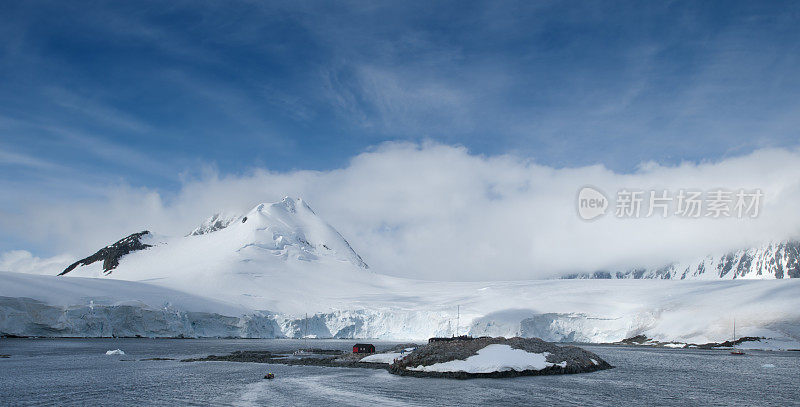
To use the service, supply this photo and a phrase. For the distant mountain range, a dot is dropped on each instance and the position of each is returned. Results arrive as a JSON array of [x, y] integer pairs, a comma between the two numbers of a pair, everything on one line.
[[770, 261]]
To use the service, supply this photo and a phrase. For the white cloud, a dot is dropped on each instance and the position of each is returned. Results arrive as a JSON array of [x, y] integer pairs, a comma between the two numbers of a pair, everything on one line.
[[438, 212], [22, 261]]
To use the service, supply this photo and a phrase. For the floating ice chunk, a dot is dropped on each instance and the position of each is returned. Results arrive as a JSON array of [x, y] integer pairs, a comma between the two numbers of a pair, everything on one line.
[[115, 352]]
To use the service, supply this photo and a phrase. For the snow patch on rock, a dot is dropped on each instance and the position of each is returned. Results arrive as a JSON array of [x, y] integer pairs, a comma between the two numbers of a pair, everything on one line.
[[493, 358], [387, 358]]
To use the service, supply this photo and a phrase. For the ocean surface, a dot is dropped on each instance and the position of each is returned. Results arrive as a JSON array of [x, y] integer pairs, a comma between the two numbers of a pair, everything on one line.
[[78, 372]]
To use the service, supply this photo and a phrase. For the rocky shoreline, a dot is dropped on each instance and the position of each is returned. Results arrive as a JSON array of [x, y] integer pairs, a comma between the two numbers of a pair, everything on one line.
[[308, 357], [642, 340]]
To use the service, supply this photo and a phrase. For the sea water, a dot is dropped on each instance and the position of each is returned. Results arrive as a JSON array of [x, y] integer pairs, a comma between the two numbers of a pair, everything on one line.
[[78, 372]]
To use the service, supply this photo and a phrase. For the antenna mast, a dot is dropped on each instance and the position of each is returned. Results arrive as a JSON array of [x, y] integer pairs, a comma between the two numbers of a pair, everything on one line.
[[458, 318]]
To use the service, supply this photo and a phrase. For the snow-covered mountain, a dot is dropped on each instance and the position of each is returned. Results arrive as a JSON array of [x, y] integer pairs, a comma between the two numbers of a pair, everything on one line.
[[286, 229], [282, 246], [770, 261], [259, 273]]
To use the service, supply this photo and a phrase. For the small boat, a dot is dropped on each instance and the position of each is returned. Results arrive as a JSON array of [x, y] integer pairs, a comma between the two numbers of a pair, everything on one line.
[[269, 376], [737, 352]]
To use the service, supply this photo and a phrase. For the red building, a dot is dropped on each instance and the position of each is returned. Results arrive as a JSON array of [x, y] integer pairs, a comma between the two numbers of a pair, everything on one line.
[[363, 348]]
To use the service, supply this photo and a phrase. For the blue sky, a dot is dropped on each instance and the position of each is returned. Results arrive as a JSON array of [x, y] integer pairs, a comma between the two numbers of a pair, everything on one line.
[[149, 94]]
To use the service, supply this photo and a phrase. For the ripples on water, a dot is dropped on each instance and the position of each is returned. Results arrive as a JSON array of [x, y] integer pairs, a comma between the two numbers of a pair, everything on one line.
[[77, 372]]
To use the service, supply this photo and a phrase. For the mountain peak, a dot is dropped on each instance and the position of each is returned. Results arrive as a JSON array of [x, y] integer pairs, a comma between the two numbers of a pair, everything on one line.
[[287, 230], [289, 204], [292, 222]]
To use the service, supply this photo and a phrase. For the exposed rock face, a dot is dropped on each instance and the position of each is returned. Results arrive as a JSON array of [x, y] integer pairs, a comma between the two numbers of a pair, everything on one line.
[[771, 261], [111, 254], [577, 360]]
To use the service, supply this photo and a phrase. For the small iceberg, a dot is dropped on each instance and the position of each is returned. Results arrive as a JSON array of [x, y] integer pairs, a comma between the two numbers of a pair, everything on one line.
[[115, 352]]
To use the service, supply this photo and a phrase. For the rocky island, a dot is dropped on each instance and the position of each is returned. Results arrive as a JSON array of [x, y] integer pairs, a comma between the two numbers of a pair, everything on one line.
[[458, 359], [496, 357]]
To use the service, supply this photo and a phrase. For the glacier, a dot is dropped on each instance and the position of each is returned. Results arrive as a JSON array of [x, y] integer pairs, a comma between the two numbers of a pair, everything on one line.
[[280, 271], [554, 310]]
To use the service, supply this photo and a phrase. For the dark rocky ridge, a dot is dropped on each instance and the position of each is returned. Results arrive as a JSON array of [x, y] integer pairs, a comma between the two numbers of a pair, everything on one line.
[[578, 360], [111, 254]]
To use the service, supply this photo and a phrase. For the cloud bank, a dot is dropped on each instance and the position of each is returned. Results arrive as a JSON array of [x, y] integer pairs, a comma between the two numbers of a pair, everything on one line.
[[436, 211], [22, 261]]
